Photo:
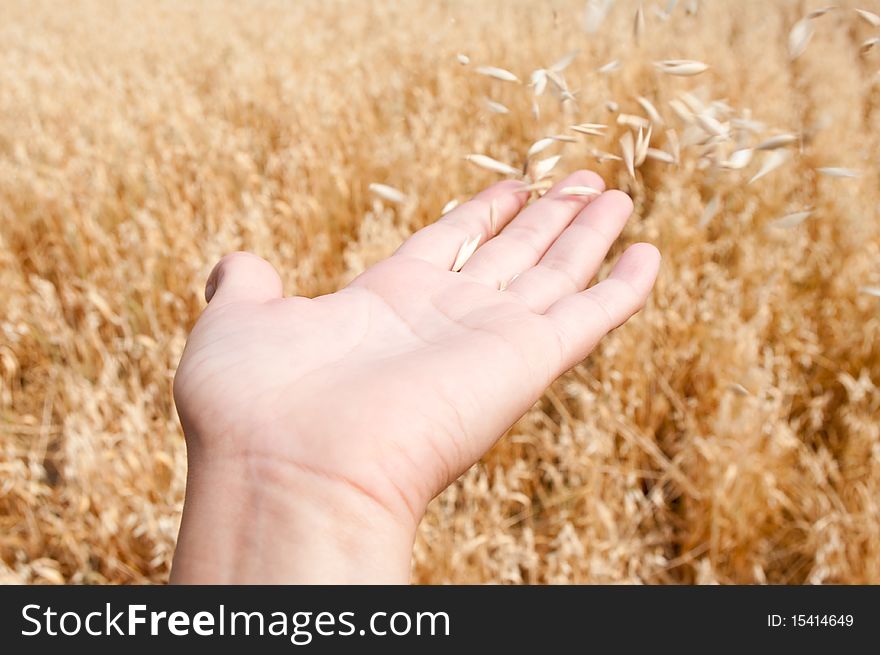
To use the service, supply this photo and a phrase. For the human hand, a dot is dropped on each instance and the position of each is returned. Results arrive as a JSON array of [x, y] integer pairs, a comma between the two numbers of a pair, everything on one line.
[[319, 429]]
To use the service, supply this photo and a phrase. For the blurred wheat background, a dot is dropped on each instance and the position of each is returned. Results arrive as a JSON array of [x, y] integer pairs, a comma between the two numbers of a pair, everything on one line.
[[729, 433]]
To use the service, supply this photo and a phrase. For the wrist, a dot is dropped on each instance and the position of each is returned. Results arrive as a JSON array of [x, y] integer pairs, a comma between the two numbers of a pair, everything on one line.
[[261, 521]]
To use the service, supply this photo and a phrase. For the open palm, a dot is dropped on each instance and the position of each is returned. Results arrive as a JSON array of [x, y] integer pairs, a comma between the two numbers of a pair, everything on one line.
[[397, 383]]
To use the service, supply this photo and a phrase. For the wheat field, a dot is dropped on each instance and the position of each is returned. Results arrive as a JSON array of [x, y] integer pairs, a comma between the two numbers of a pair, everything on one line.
[[729, 433]]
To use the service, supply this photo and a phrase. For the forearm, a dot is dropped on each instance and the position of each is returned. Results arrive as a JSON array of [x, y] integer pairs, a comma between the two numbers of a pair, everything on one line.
[[263, 523]]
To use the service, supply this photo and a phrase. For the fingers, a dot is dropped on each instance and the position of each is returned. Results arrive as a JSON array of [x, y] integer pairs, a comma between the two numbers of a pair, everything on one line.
[[440, 242], [575, 257], [583, 318], [242, 276], [524, 241]]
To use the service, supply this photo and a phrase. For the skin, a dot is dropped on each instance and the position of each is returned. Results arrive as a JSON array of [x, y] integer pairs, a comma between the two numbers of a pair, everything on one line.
[[319, 429]]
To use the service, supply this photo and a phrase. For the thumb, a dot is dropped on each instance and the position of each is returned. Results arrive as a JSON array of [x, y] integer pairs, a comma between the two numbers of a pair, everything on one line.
[[242, 276]]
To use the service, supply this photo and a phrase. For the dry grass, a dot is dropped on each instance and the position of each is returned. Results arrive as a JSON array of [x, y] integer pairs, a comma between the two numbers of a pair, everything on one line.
[[730, 433]]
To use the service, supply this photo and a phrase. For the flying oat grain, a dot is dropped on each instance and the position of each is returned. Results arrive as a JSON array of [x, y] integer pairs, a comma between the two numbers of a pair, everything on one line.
[[602, 156], [738, 159], [868, 44], [496, 107], [833, 171], [538, 81], [542, 168], [799, 37], [633, 121], [696, 105], [773, 160], [490, 164], [747, 124], [871, 291], [595, 13], [497, 73], [711, 125], [660, 155], [539, 146], [641, 148], [738, 389], [557, 79], [567, 96], [681, 110], [778, 141], [650, 110], [869, 17], [590, 129], [388, 193], [790, 220], [564, 62], [612, 65], [639, 23], [681, 67], [817, 13], [464, 60], [721, 108], [710, 210]]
